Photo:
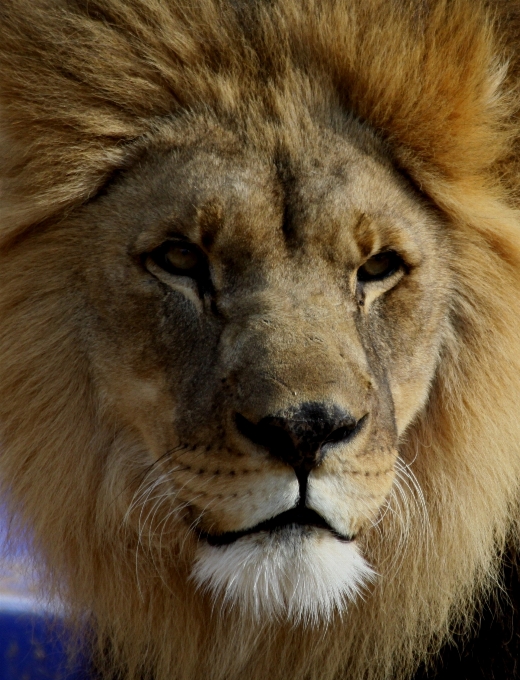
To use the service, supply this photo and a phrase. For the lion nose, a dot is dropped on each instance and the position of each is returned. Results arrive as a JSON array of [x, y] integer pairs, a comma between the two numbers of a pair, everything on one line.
[[297, 437]]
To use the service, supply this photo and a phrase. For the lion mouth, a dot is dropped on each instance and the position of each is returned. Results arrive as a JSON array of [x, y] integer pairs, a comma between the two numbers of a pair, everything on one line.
[[299, 516]]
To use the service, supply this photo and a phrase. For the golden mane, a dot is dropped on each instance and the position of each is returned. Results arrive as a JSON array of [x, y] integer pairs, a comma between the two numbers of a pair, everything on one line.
[[84, 84]]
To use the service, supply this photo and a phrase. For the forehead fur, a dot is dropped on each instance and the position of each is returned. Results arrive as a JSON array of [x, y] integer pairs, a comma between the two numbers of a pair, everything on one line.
[[81, 82]]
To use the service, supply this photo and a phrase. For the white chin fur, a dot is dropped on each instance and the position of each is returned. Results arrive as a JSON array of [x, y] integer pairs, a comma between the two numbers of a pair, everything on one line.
[[303, 575]]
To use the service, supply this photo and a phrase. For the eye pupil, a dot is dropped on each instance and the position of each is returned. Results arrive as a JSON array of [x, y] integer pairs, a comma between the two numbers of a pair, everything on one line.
[[379, 267], [182, 257], [179, 258]]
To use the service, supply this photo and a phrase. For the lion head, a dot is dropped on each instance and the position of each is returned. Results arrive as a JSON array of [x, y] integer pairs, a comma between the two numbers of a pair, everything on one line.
[[259, 326], [287, 306]]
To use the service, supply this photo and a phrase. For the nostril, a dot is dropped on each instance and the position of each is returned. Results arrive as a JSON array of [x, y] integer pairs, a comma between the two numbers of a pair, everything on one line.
[[246, 428], [344, 433], [275, 438], [339, 435]]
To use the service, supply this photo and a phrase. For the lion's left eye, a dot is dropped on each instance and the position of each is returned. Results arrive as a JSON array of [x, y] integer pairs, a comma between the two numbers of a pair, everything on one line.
[[179, 257], [380, 266]]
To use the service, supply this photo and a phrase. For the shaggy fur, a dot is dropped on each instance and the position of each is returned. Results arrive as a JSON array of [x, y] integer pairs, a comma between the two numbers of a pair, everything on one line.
[[95, 90]]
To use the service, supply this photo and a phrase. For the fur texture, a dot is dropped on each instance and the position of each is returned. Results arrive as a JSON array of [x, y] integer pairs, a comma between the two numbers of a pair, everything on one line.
[[93, 97], [264, 589]]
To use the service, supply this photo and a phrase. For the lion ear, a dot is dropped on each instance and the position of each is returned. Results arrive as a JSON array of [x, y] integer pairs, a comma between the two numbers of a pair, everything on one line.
[[78, 82]]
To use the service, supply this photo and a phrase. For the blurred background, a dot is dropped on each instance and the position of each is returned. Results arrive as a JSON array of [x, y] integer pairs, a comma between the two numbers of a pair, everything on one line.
[[32, 636]]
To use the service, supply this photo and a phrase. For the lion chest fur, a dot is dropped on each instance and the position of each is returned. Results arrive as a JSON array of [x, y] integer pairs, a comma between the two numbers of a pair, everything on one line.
[[259, 348]]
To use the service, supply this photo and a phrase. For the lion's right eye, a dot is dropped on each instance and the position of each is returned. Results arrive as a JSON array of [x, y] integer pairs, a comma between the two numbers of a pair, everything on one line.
[[180, 258], [380, 267]]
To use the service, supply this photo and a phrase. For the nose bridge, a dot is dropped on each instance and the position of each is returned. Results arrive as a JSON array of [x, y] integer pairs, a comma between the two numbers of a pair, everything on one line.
[[316, 342], [299, 346]]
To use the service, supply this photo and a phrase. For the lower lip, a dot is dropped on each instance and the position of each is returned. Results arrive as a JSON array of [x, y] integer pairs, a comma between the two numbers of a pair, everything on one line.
[[233, 536]]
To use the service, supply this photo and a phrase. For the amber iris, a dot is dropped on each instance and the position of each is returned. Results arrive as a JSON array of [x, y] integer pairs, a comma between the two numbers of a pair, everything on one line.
[[380, 266], [179, 257]]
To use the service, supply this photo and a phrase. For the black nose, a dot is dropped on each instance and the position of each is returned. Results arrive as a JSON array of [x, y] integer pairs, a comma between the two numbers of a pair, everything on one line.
[[298, 436]]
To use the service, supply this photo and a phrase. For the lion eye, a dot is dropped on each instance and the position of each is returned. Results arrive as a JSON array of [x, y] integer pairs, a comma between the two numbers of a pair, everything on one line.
[[179, 257], [380, 267]]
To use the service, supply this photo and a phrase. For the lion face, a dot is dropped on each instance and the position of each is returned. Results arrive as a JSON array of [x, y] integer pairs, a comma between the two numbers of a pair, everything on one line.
[[266, 325]]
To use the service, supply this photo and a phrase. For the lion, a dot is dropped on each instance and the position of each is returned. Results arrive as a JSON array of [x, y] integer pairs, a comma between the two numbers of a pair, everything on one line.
[[260, 330]]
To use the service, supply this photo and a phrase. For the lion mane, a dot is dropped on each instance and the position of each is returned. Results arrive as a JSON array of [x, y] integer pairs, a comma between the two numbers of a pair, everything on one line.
[[92, 91]]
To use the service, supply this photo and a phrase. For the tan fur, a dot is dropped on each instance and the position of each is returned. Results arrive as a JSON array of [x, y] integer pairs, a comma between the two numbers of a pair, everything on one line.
[[93, 97]]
